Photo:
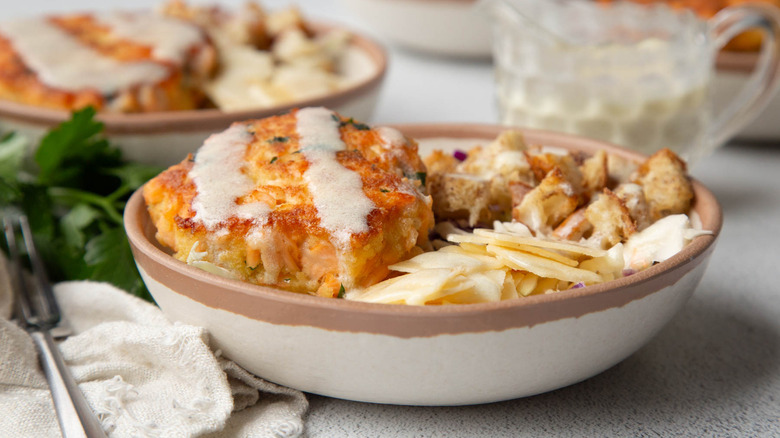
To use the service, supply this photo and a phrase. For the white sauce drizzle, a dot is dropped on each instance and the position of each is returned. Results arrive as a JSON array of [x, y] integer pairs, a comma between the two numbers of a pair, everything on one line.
[[219, 179], [62, 61], [169, 38], [661, 240], [391, 137], [337, 192]]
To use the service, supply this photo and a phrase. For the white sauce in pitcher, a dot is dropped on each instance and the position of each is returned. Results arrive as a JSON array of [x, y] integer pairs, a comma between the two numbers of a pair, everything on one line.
[[218, 176], [337, 192], [169, 38], [62, 61]]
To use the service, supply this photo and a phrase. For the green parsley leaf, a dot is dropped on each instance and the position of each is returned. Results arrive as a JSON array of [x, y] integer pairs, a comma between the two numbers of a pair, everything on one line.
[[74, 193], [12, 151], [109, 258], [133, 175], [359, 126], [342, 291], [68, 154], [273, 160], [421, 176], [74, 224], [278, 139]]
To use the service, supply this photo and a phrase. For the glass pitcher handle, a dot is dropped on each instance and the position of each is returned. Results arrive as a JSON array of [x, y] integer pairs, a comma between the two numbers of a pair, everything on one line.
[[763, 82]]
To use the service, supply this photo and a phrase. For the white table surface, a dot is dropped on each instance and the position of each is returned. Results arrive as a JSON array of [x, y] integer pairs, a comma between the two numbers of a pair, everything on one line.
[[713, 371]]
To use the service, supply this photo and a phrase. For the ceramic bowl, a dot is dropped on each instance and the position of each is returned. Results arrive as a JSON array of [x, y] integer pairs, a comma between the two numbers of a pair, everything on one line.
[[441, 27], [733, 72], [165, 138], [412, 355]]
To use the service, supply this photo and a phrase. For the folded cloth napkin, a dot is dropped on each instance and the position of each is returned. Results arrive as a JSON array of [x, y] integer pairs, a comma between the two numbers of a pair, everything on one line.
[[142, 375]]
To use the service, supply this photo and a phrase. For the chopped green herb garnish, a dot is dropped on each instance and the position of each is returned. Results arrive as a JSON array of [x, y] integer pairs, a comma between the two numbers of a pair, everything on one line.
[[274, 160], [384, 190], [297, 152], [335, 118], [421, 176], [341, 291], [359, 126], [74, 193], [278, 139]]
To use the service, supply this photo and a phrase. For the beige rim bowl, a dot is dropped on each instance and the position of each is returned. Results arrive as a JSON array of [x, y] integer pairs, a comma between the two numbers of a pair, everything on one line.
[[450, 355], [165, 138]]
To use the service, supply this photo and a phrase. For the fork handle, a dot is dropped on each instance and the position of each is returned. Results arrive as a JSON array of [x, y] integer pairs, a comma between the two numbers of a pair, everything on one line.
[[73, 412]]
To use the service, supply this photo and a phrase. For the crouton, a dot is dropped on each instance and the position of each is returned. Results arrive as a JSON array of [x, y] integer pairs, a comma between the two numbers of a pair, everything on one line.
[[460, 196], [481, 193], [595, 172], [440, 163], [610, 219], [574, 227], [634, 199], [517, 191], [548, 204], [619, 170], [665, 184]]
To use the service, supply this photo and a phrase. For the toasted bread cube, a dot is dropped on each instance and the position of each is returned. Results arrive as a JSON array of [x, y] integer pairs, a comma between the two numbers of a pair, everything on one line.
[[499, 164], [595, 172], [574, 227], [665, 184], [634, 199], [459, 196], [619, 170], [439, 163], [610, 219], [548, 204], [517, 191], [542, 164]]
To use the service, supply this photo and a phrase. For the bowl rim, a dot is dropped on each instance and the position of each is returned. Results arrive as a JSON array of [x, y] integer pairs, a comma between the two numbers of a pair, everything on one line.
[[212, 119], [735, 61], [416, 321]]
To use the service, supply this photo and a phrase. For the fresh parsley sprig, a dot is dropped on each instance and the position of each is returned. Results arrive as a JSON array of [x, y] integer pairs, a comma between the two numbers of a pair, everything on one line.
[[74, 189]]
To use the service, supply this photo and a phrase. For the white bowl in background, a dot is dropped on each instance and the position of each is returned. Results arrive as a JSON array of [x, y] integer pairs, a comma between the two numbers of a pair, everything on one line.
[[442, 27]]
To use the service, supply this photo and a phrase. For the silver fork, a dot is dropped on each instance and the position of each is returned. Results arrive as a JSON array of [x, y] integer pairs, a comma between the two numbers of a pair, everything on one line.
[[40, 312]]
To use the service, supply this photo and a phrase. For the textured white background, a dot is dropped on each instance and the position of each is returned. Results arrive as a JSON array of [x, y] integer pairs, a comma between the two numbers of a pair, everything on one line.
[[714, 371]]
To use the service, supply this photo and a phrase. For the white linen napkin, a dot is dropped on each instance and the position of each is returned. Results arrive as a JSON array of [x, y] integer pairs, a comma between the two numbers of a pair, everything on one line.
[[143, 375]]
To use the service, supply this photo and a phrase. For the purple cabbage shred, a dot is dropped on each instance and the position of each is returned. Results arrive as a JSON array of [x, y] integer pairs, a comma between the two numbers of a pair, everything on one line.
[[578, 285], [460, 155], [627, 272]]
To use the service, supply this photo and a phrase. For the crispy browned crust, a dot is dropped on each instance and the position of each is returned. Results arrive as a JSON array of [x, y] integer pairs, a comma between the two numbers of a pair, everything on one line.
[[401, 220], [179, 91]]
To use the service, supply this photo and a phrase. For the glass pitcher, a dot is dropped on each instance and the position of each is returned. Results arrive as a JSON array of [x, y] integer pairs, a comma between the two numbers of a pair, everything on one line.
[[632, 74]]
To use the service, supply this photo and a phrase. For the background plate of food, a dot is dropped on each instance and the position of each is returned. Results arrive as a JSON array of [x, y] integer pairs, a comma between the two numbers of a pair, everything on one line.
[[163, 80], [498, 265]]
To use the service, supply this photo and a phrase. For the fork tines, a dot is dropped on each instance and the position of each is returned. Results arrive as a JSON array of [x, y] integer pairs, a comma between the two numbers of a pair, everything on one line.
[[34, 294]]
